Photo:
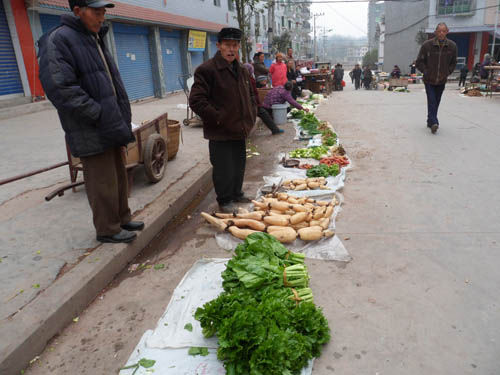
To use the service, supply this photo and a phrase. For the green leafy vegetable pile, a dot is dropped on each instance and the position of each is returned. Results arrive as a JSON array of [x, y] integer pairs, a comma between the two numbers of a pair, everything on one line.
[[263, 325], [323, 170], [316, 152], [297, 113], [310, 124]]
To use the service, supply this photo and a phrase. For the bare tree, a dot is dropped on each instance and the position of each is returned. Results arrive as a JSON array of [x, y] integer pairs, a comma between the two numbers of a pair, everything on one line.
[[244, 11]]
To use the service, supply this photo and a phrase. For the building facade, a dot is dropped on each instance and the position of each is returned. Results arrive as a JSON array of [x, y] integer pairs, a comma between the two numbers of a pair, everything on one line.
[[156, 44], [375, 13], [471, 26]]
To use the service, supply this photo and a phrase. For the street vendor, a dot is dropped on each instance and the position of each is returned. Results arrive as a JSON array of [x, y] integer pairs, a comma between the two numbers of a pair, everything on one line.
[[82, 81], [281, 95], [223, 97]]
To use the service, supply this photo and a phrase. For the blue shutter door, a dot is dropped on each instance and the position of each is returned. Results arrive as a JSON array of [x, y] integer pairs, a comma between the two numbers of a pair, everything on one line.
[[49, 21], [196, 59], [134, 59], [213, 45], [10, 80], [172, 62]]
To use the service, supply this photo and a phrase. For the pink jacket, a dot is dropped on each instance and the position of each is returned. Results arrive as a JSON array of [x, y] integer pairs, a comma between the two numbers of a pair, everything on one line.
[[278, 74]]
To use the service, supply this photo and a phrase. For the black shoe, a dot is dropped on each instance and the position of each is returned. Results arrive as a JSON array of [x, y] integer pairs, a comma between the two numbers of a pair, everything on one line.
[[434, 128], [133, 225], [227, 208], [242, 199], [124, 236]]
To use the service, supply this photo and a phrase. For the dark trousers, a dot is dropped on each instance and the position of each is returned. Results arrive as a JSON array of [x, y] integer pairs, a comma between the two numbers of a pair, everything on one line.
[[357, 83], [228, 159], [434, 93], [462, 81], [107, 190], [266, 116]]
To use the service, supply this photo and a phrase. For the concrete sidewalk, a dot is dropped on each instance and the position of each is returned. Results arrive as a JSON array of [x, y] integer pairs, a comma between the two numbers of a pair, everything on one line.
[[51, 265]]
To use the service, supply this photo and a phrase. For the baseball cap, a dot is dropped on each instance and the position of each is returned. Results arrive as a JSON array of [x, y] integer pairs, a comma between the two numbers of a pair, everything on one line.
[[229, 33], [91, 4]]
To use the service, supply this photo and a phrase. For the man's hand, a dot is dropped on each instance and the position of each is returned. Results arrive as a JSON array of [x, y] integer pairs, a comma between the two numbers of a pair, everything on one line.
[[306, 109]]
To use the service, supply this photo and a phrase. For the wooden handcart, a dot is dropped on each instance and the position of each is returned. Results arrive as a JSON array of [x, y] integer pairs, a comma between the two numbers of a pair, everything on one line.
[[398, 82], [157, 141]]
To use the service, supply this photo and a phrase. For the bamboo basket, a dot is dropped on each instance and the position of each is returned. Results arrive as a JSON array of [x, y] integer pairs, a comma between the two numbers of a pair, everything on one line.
[[173, 137]]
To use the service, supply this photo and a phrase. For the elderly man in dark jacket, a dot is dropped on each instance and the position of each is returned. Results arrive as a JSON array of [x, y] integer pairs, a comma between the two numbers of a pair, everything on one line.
[[223, 97], [437, 60], [81, 79]]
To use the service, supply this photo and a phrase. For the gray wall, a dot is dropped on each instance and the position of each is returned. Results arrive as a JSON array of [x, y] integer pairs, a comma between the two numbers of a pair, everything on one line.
[[402, 22]]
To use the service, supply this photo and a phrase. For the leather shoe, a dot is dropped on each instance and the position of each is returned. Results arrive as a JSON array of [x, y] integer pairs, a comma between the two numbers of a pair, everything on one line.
[[434, 128], [133, 225], [123, 236], [227, 208], [242, 199]]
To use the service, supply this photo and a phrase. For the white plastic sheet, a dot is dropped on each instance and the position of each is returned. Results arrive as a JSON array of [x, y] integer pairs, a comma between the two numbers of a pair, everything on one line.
[[169, 342]]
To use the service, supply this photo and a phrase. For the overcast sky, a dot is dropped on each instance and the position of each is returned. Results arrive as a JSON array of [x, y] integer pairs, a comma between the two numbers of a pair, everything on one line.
[[344, 19]]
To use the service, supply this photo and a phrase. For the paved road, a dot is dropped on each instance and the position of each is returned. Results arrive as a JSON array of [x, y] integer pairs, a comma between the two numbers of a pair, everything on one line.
[[420, 220]]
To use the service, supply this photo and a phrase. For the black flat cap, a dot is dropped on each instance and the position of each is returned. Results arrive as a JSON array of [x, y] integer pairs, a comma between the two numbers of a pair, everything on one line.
[[229, 33], [91, 4]]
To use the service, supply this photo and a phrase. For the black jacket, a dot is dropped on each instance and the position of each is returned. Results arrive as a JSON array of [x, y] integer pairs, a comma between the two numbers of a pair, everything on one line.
[[437, 61], [75, 80]]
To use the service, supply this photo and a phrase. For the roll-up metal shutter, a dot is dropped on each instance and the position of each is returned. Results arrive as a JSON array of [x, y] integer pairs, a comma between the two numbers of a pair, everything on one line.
[[196, 59], [172, 61], [134, 59], [10, 80], [49, 21], [213, 45]]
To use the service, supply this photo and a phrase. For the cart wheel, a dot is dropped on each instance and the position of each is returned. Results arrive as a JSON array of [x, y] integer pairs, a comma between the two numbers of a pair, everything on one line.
[[155, 157], [186, 121]]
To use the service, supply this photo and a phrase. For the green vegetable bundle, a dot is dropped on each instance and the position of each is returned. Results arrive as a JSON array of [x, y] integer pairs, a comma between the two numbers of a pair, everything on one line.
[[310, 124], [323, 170], [263, 327], [297, 113], [316, 152]]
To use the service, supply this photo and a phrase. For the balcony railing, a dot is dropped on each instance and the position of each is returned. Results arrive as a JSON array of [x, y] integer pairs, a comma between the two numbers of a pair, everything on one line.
[[455, 7]]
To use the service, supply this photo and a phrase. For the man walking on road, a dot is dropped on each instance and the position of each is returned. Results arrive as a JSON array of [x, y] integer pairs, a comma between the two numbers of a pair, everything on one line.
[[436, 60], [223, 97], [356, 75], [81, 79]]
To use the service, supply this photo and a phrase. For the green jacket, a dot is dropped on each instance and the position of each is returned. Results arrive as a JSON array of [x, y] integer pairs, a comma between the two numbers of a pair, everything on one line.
[[437, 61]]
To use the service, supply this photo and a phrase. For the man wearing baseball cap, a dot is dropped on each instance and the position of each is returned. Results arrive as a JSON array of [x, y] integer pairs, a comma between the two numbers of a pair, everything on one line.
[[224, 99], [80, 78]]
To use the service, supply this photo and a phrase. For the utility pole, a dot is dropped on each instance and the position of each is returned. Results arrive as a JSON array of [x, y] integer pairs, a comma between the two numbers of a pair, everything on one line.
[[495, 33], [315, 44]]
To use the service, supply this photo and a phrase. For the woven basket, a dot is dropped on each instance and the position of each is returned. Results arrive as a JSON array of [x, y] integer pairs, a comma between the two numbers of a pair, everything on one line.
[[173, 135]]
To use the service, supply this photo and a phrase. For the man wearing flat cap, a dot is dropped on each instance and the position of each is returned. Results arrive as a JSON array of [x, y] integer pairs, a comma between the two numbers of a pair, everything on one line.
[[224, 99], [80, 78]]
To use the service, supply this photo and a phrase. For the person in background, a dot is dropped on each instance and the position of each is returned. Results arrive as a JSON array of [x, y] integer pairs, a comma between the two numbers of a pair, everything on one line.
[[367, 77], [356, 75], [476, 69], [261, 81], [223, 97], [396, 72], [413, 67], [261, 112], [437, 59], [278, 71], [338, 76], [483, 73], [463, 75], [291, 75], [81, 79], [259, 66], [281, 95], [289, 57]]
